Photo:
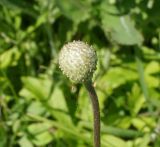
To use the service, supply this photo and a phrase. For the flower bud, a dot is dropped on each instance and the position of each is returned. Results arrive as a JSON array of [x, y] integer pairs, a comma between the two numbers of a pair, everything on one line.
[[78, 60]]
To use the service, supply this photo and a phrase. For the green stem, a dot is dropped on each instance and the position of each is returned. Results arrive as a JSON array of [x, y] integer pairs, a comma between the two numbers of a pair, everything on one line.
[[96, 112], [141, 77]]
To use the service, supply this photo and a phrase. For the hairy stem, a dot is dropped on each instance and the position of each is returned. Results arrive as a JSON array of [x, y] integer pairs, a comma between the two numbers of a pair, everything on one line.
[[96, 112]]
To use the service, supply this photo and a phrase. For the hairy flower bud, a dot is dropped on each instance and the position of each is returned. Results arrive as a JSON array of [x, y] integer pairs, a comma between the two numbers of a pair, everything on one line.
[[78, 61]]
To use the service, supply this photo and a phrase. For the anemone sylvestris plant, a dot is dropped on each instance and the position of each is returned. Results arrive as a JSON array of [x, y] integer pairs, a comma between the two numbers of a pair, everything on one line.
[[78, 60]]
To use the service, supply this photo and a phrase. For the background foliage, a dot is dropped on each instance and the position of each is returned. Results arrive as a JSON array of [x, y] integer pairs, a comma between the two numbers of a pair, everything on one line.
[[40, 107]]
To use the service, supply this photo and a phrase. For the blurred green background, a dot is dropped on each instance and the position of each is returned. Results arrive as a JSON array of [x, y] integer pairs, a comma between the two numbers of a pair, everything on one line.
[[40, 107]]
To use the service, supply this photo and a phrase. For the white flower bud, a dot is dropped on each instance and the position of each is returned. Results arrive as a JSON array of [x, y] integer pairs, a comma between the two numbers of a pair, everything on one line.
[[78, 60]]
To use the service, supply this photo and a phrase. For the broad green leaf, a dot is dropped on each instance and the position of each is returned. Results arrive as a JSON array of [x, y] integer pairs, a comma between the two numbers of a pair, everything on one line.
[[62, 126], [140, 142], [39, 88], [56, 105], [57, 100], [151, 74], [144, 141], [74, 10], [60, 110], [152, 68], [117, 76], [84, 107], [150, 54], [101, 98], [9, 58], [143, 123], [27, 94], [135, 100], [139, 104], [119, 27], [16, 125], [36, 108], [112, 141], [152, 81], [124, 122], [42, 139], [41, 133], [25, 142], [38, 128]]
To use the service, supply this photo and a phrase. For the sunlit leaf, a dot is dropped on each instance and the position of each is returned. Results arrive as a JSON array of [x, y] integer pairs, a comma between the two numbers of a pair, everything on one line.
[[25, 142], [113, 141], [9, 58], [119, 27], [39, 88]]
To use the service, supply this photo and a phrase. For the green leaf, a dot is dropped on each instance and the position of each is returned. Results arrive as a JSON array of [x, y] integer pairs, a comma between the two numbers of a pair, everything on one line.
[[25, 142], [143, 123], [84, 107], [74, 10], [41, 133], [36, 108], [151, 74], [117, 76], [60, 109], [68, 130], [57, 100], [141, 141], [38, 88], [38, 128], [42, 139], [144, 141], [152, 67], [9, 58], [112, 141], [119, 27], [135, 100]]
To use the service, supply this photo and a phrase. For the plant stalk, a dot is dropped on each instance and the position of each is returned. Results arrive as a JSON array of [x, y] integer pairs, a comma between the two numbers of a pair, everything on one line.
[[96, 112]]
